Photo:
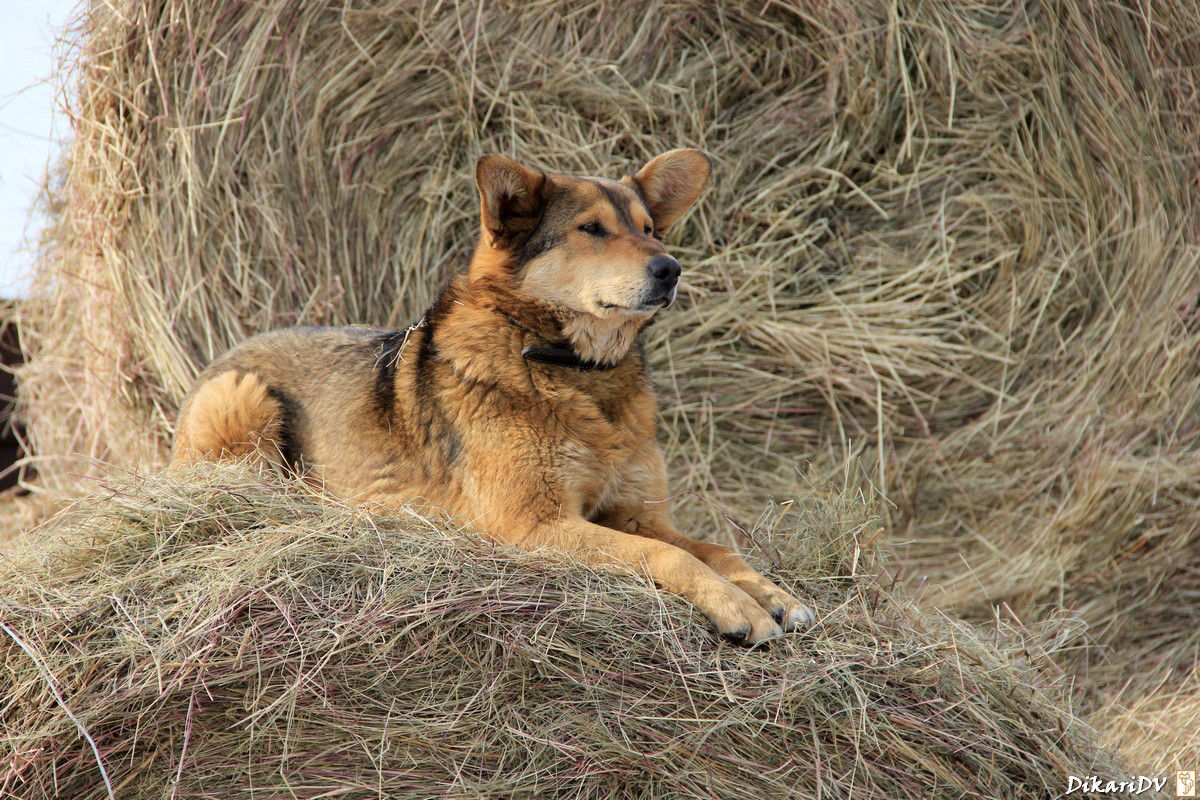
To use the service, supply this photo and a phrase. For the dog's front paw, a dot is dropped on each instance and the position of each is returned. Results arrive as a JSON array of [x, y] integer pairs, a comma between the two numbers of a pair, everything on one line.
[[787, 611], [737, 616]]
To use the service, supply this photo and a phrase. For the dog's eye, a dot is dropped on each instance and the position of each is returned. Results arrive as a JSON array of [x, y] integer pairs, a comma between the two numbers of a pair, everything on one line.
[[593, 228], [648, 230]]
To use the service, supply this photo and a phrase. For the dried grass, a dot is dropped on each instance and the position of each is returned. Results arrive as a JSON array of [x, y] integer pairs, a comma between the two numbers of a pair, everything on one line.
[[956, 240], [229, 636], [1160, 729]]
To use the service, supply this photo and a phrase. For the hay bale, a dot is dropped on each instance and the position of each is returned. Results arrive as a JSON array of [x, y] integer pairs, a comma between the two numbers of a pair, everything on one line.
[[955, 240], [228, 635]]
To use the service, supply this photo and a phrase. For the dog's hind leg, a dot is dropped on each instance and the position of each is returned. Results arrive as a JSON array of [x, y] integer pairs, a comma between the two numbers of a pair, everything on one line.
[[231, 416]]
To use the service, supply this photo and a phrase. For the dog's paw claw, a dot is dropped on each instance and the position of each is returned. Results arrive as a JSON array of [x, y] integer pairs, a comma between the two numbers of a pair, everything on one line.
[[798, 617], [746, 636], [737, 635]]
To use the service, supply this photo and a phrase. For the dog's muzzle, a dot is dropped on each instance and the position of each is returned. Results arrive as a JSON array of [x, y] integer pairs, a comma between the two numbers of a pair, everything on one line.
[[663, 272]]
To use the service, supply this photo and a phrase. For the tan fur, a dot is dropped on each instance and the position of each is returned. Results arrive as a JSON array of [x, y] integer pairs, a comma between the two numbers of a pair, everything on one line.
[[455, 412], [230, 416]]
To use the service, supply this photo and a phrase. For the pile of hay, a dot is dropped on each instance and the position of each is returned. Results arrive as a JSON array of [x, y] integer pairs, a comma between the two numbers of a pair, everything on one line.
[[226, 635], [955, 241]]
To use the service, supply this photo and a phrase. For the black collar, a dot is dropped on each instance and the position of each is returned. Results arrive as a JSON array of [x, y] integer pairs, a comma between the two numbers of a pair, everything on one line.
[[564, 356]]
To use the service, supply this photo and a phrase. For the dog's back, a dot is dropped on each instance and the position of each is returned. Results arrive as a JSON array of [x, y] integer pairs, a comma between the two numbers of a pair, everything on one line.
[[299, 396]]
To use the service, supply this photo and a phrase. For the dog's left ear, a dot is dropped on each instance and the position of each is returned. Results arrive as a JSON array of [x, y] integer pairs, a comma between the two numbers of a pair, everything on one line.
[[671, 183], [510, 197]]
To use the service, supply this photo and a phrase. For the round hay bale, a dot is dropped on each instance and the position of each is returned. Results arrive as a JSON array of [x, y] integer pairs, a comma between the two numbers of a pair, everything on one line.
[[953, 241], [226, 635]]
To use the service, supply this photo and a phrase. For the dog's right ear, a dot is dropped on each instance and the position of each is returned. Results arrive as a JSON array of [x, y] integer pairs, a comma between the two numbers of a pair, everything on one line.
[[510, 198]]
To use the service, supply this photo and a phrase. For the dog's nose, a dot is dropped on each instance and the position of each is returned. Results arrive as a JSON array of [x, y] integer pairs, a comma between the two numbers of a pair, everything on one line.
[[665, 270]]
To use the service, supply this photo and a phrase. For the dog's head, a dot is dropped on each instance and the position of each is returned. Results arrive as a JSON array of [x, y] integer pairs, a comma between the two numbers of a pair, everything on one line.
[[589, 246]]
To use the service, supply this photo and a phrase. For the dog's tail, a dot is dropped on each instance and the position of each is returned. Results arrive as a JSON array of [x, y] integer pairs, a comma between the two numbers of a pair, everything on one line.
[[230, 416]]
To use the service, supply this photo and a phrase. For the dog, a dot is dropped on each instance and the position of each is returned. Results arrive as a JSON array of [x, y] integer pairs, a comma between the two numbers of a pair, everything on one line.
[[521, 401]]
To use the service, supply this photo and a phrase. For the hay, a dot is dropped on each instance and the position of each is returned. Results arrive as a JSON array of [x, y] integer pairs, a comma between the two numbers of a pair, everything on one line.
[[230, 636], [1159, 730], [955, 239]]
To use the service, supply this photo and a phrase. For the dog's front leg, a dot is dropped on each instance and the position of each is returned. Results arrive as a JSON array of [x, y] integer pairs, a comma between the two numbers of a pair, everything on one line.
[[641, 509], [734, 613], [651, 521]]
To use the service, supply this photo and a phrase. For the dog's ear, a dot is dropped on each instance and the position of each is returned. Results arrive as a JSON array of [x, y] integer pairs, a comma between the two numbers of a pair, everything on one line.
[[671, 183], [510, 197]]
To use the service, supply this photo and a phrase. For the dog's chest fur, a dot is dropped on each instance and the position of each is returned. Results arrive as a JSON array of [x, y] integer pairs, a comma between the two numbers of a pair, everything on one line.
[[598, 465], [602, 422]]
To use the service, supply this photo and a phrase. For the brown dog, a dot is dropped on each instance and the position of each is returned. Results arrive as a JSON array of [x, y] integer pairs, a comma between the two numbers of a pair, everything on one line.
[[520, 402]]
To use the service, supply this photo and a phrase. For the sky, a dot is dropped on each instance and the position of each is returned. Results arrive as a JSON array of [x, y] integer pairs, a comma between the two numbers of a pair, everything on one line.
[[31, 131]]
